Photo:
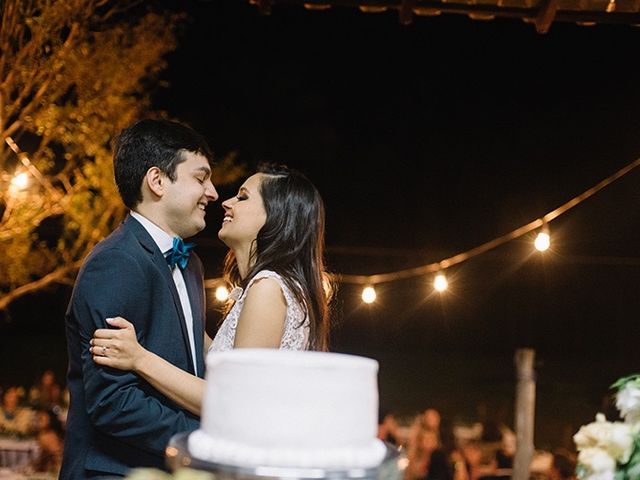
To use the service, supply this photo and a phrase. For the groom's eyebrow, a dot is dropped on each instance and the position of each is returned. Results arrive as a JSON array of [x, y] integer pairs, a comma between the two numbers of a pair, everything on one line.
[[205, 170]]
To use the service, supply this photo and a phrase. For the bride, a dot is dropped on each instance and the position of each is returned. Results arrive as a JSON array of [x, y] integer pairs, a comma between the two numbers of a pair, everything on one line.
[[274, 229]]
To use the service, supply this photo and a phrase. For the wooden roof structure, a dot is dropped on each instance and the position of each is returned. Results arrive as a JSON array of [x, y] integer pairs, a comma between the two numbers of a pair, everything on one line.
[[541, 13]]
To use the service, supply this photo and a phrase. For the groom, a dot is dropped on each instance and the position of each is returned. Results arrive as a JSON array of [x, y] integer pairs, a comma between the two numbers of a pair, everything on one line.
[[117, 420]]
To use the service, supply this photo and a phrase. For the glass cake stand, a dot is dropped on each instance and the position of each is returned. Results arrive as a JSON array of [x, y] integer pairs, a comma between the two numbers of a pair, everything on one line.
[[177, 456]]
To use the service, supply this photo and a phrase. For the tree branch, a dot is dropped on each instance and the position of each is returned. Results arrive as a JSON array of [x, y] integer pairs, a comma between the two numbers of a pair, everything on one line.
[[6, 232], [57, 276], [118, 9], [9, 19], [43, 73]]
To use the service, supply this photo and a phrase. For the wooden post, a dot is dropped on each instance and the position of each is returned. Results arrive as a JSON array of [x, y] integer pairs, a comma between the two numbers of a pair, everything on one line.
[[525, 412]]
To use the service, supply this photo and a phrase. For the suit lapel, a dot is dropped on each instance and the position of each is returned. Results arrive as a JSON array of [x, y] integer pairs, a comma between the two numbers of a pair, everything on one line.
[[158, 259]]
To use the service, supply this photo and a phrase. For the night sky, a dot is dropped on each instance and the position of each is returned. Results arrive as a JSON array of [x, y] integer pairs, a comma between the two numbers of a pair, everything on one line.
[[428, 140]]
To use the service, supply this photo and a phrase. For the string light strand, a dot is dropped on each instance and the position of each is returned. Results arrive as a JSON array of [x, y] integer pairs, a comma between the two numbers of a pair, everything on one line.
[[490, 245]]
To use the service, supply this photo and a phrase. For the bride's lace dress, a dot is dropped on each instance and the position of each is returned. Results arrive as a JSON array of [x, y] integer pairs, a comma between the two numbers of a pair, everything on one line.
[[296, 333]]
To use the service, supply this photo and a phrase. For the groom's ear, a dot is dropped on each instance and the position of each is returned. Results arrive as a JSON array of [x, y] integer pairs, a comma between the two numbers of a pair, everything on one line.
[[154, 180]]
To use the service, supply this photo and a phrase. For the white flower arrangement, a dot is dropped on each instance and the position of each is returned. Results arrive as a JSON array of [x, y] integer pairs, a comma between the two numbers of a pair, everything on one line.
[[611, 450]]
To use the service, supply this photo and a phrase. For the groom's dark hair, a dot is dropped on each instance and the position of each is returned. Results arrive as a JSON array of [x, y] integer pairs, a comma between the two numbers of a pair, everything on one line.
[[152, 143]]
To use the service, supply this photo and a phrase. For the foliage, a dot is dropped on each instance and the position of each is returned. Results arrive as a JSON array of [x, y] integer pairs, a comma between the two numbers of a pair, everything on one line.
[[73, 73]]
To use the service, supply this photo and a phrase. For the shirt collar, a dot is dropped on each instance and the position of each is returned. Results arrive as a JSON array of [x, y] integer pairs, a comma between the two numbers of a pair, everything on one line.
[[162, 238]]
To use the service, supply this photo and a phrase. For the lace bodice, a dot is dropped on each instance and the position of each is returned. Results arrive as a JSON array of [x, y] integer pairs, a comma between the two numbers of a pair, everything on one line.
[[295, 336]]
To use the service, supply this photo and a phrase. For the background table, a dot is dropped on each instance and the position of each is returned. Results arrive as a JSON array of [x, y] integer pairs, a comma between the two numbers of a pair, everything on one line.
[[18, 454]]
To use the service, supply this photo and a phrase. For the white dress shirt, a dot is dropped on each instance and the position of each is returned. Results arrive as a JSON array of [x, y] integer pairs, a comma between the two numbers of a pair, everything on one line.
[[165, 242]]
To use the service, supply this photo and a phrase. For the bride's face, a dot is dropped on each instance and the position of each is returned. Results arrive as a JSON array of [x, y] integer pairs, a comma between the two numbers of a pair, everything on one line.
[[244, 215]]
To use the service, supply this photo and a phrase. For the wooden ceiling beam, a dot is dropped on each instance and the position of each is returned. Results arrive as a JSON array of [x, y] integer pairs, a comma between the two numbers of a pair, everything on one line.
[[526, 14], [546, 15], [406, 11]]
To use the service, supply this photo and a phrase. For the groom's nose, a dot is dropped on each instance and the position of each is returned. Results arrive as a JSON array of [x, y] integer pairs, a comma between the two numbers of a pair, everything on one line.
[[211, 192]]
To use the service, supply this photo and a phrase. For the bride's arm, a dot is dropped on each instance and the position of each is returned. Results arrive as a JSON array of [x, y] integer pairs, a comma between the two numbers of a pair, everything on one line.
[[261, 321], [122, 351]]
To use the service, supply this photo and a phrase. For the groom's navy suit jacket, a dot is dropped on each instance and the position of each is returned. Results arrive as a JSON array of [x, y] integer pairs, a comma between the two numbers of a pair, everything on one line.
[[116, 419]]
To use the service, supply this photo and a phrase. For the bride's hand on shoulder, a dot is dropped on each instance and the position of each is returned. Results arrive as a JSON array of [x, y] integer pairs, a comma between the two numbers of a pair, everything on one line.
[[117, 347]]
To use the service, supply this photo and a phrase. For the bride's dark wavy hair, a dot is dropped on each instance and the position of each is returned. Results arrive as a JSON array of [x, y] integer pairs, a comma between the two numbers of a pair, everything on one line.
[[291, 243]]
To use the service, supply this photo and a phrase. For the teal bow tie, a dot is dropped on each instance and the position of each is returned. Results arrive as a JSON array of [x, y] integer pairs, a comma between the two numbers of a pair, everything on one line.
[[179, 253]]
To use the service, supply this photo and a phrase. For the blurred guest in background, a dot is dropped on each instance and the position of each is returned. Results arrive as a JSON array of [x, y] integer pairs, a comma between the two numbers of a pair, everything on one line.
[[431, 419], [473, 456], [563, 466], [388, 427], [50, 439], [15, 419], [428, 460], [46, 393]]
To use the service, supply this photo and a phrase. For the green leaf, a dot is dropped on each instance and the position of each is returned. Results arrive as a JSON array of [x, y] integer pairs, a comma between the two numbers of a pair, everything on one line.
[[620, 383]]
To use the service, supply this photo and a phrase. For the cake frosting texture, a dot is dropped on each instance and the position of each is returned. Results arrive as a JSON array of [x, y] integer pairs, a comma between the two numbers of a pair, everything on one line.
[[289, 409]]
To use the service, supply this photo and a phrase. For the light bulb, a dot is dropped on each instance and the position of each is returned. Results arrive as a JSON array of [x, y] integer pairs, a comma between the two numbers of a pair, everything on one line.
[[20, 181], [222, 293], [368, 295], [440, 282], [542, 242]]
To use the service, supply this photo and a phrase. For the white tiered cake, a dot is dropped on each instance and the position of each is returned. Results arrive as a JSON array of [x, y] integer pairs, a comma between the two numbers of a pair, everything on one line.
[[277, 408]]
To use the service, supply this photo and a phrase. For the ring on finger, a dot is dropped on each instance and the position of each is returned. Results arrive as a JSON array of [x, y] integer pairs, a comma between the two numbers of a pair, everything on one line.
[[104, 351]]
